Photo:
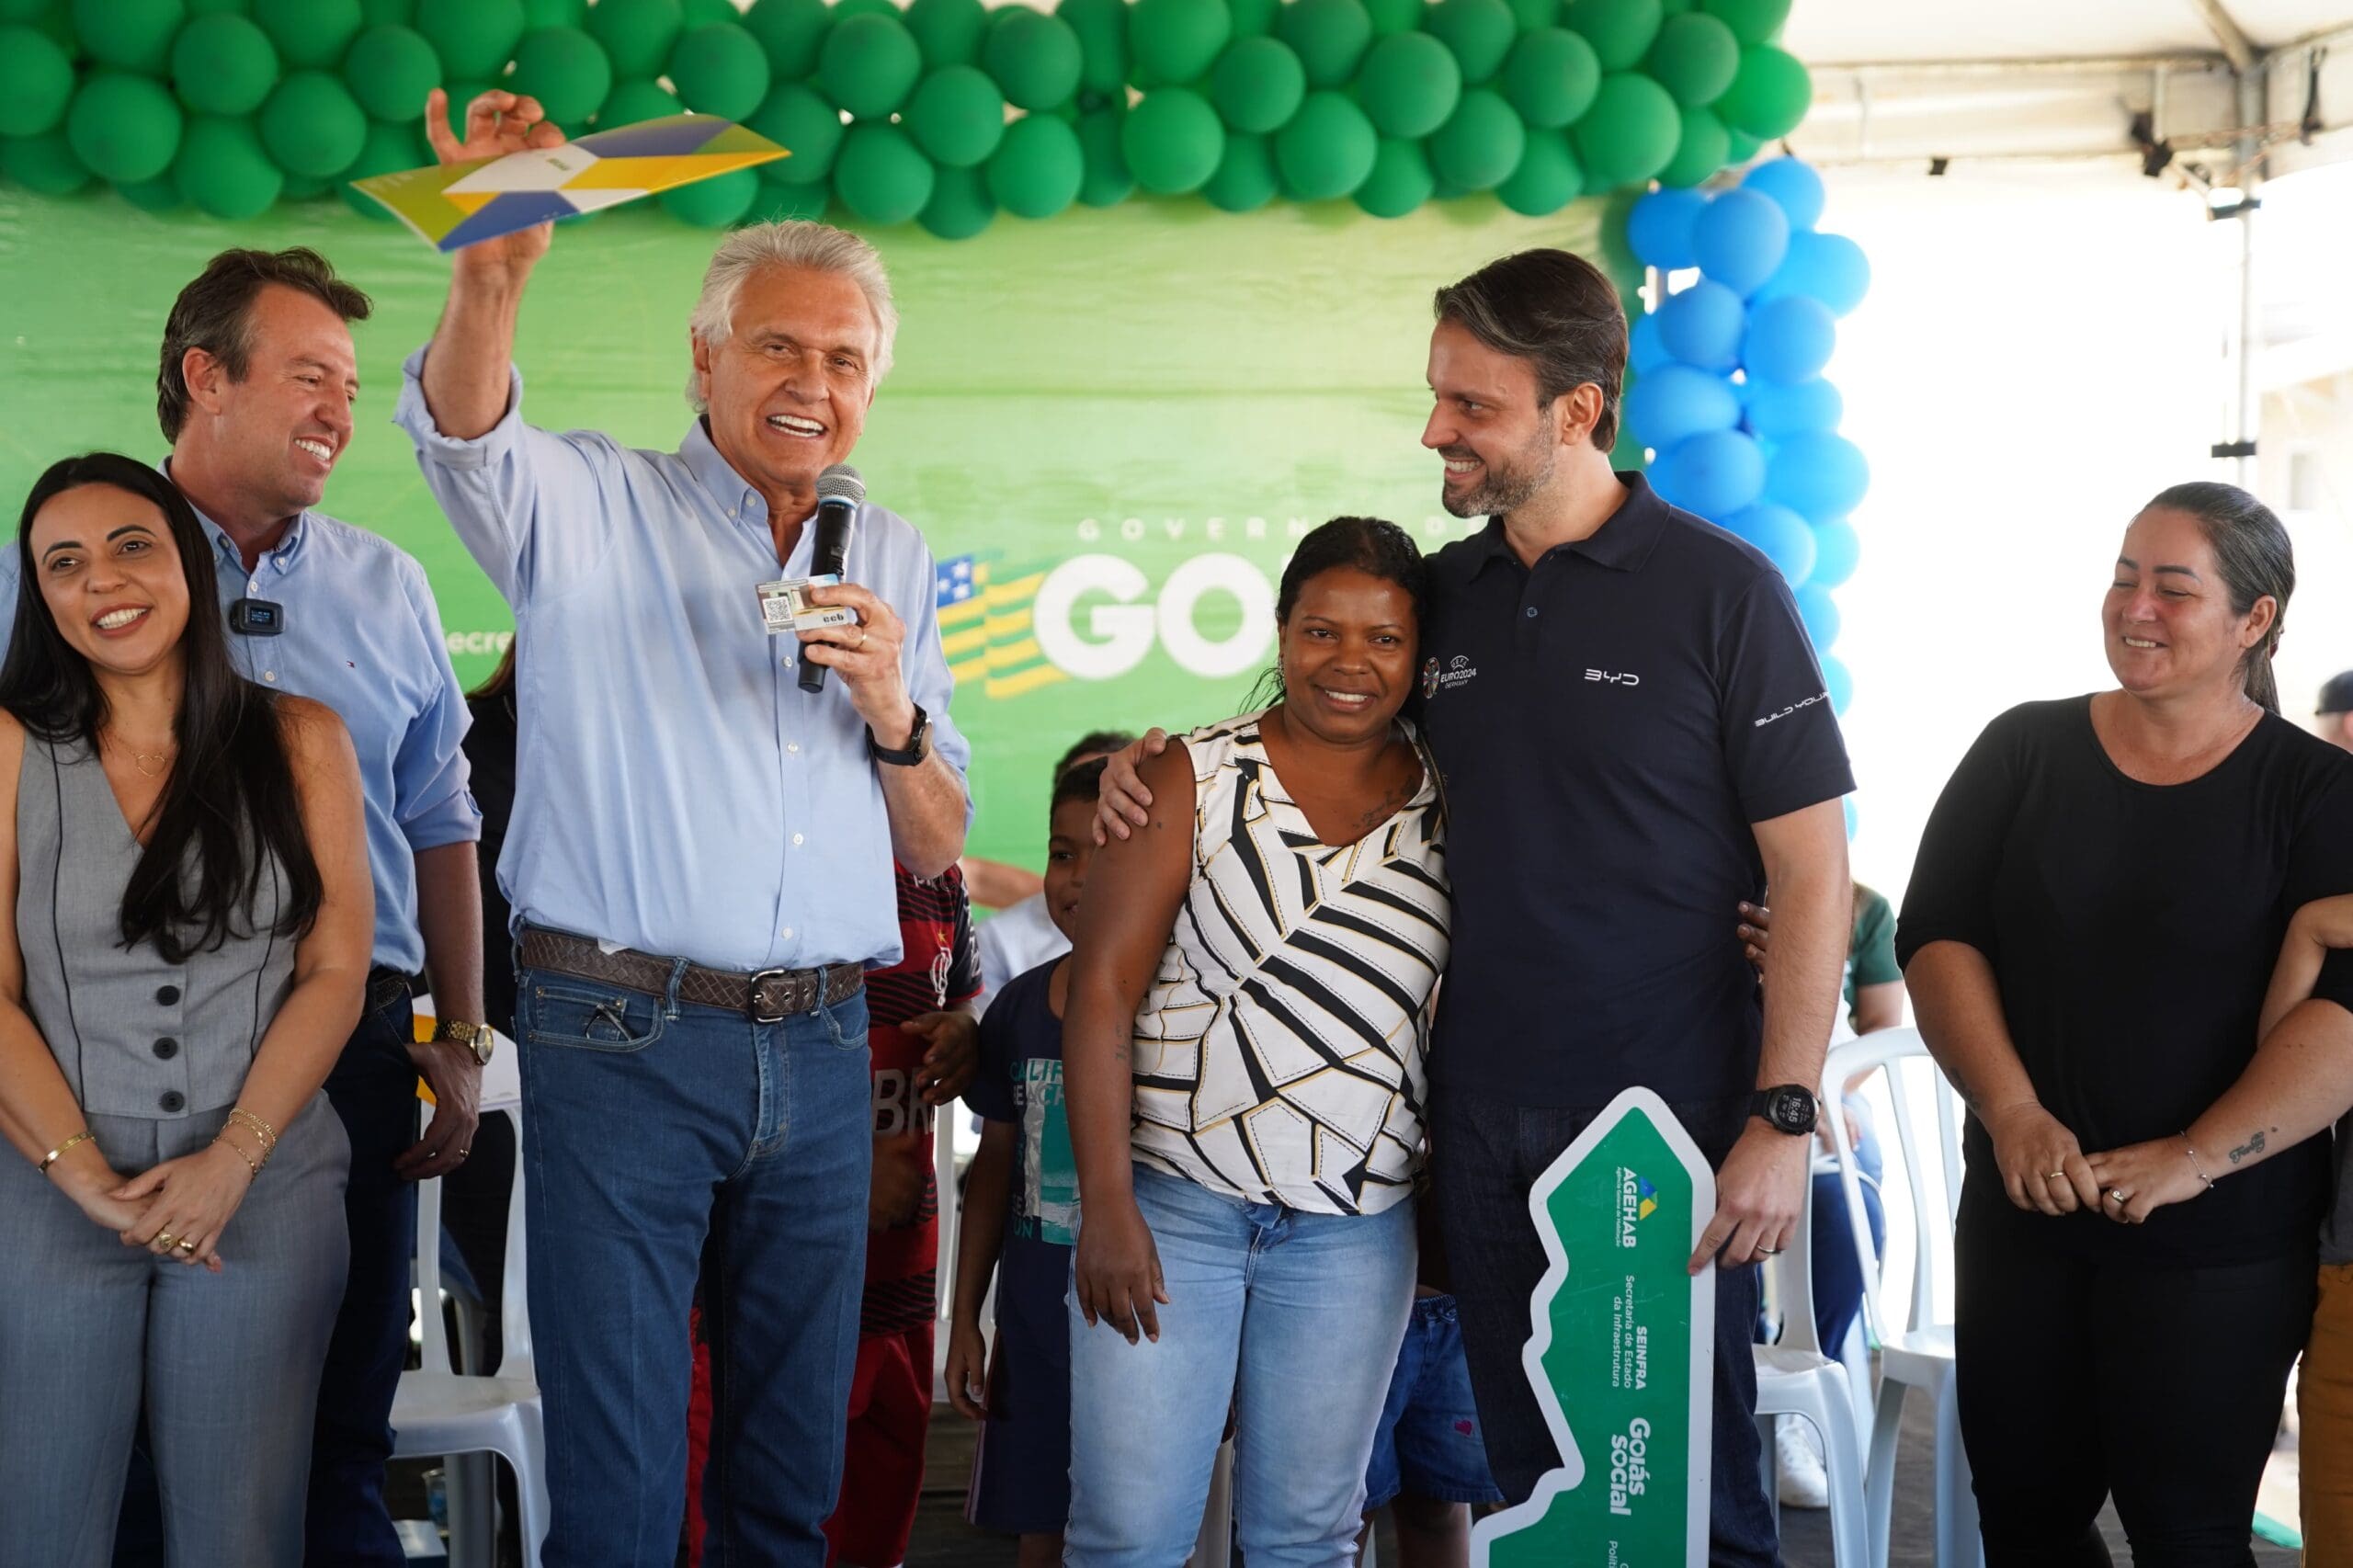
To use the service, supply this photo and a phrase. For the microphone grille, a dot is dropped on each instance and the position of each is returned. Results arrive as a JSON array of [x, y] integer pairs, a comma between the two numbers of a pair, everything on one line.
[[841, 482]]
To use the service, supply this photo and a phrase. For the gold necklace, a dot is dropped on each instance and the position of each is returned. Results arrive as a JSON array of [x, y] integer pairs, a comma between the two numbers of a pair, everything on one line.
[[141, 761]]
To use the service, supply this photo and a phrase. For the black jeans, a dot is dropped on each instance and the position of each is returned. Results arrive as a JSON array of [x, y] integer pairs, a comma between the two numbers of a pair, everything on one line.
[[1486, 1154], [2081, 1378]]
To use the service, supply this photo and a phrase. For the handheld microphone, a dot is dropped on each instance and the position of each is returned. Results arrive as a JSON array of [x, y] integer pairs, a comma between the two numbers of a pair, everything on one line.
[[840, 493]]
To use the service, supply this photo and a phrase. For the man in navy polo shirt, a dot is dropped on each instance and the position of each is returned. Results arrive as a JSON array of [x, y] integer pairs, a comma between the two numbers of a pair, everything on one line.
[[1635, 737]]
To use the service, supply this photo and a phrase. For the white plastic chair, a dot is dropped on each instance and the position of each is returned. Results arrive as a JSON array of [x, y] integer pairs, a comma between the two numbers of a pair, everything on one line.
[[1794, 1377], [438, 1412], [1920, 1353]]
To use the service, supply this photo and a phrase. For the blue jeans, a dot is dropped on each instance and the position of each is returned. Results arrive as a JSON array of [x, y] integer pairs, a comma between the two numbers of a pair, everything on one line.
[[1293, 1320], [1487, 1152], [1837, 1274], [662, 1139]]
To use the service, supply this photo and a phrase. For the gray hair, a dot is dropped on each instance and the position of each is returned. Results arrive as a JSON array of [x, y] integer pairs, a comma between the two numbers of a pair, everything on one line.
[[818, 247]]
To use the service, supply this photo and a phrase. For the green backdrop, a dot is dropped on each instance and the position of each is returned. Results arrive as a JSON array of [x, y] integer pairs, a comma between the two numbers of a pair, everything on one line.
[[1084, 414]]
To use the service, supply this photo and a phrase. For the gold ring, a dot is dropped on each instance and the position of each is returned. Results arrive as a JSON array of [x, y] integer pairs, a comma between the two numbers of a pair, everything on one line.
[[2116, 1196], [185, 1247], [861, 641], [166, 1238], [2056, 1176]]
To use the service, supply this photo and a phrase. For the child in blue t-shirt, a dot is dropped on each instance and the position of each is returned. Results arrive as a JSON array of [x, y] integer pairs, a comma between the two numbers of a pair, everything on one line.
[[1021, 1221]]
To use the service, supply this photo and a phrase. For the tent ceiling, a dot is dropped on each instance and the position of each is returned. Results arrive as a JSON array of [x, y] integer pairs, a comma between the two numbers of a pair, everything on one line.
[[1844, 31]]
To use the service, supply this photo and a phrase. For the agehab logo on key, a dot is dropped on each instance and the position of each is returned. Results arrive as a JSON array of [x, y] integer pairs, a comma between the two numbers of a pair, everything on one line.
[[1629, 1470], [1637, 1201]]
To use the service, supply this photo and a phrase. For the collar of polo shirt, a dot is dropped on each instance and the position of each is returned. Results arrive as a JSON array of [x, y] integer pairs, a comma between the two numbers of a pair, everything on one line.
[[1623, 543]]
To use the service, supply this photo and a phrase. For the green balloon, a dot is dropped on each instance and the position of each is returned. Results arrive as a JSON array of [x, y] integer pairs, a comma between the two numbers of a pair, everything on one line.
[[1108, 182], [1327, 150], [636, 34], [537, 13], [1695, 59], [1258, 84], [1177, 40], [631, 102], [1770, 95], [957, 116], [881, 176], [792, 203], [1752, 21], [1256, 19], [791, 30], [565, 71], [961, 205], [476, 38], [715, 202], [1173, 140], [1629, 133], [1481, 144], [157, 195], [845, 9], [1036, 171], [389, 149], [36, 81], [133, 34], [123, 128], [1533, 14], [1409, 86], [311, 126], [310, 34], [869, 65], [1246, 178], [1549, 176], [703, 12], [379, 13], [45, 165], [1331, 37], [719, 68], [1704, 148], [801, 122], [1479, 31], [22, 10], [462, 93], [1550, 77], [389, 69], [1620, 31], [303, 188], [1039, 59], [947, 31], [1744, 147], [1400, 179], [1101, 29], [224, 172]]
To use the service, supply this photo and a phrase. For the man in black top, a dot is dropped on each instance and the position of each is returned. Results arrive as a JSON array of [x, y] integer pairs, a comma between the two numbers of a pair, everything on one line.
[[1635, 736], [2335, 714]]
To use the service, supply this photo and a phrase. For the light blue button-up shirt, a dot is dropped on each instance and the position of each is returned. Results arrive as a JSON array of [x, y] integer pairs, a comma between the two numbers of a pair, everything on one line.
[[675, 790], [363, 636]]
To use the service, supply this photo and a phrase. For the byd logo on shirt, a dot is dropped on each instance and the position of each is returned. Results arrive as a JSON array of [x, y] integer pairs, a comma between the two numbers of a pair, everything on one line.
[[1614, 678]]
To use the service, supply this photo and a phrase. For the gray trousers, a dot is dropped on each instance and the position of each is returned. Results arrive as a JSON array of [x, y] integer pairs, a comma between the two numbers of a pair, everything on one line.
[[225, 1366]]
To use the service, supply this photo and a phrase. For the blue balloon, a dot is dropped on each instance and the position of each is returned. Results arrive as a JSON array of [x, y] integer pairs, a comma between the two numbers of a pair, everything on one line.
[[1850, 803], [1741, 238], [1793, 185], [1659, 228], [1828, 267], [1781, 534], [1820, 613], [1644, 352], [1838, 683], [1788, 340], [1837, 550], [1702, 324], [1675, 403], [1715, 473], [1818, 474], [1776, 411]]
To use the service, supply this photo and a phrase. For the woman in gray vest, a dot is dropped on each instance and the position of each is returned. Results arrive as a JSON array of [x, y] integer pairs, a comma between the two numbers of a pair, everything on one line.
[[182, 950]]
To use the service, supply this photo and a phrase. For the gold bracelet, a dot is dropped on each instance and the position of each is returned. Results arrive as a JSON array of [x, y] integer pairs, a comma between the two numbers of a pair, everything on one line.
[[240, 1154], [223, 1137], [2195, 1162], [262, 1129], [58, 1154]]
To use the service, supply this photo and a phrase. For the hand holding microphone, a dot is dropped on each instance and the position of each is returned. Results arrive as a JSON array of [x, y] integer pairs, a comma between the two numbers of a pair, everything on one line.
[[867, 654]]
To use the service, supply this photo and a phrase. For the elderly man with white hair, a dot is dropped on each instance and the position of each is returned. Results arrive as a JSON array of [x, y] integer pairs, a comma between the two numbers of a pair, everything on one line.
[[699, 864]]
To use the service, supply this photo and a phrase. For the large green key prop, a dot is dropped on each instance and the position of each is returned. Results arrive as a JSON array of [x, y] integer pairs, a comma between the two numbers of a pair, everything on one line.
[[1621, 1356]]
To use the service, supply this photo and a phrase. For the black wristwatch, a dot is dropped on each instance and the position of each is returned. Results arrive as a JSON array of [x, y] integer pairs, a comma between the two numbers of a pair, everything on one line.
[[1785, 1107], [918, 744]]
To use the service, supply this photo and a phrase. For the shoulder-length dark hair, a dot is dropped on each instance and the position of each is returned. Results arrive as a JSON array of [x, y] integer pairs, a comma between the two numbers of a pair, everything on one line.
[[230, 802]]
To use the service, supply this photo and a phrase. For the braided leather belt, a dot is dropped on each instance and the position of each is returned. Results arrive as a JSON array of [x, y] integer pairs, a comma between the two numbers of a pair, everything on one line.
[[769, 996]]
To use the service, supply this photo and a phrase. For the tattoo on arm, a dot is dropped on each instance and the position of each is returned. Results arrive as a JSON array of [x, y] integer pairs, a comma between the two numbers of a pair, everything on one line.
[[2254, 1145]]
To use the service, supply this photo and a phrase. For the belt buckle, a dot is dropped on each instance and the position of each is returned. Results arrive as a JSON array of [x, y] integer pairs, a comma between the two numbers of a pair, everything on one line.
[[753, 998]]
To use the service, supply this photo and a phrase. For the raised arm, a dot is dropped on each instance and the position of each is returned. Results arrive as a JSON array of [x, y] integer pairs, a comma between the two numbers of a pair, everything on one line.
[[1134, 891], [466, 364]]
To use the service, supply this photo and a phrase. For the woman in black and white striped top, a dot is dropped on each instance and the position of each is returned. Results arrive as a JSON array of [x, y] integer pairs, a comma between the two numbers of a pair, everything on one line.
[[1249, 1003]]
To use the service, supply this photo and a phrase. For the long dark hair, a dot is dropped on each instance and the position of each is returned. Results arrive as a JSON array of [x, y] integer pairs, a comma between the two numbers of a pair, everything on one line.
[[1371, 546], [230, 802], [2251, 547]]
